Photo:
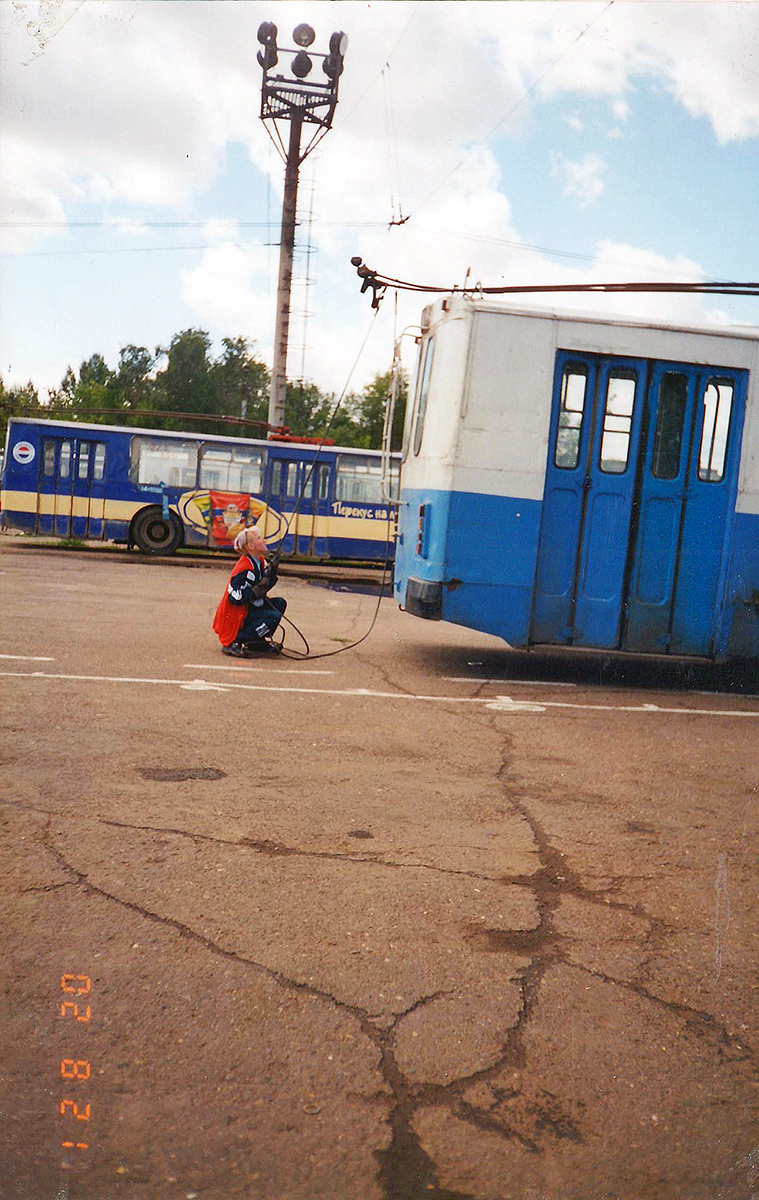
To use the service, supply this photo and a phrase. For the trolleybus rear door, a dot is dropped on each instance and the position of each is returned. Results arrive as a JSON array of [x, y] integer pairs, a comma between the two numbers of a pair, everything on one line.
[[588, 500], [687, 497]]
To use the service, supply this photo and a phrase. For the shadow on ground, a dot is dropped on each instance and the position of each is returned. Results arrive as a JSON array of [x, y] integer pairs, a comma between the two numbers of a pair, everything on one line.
[[594, 669]]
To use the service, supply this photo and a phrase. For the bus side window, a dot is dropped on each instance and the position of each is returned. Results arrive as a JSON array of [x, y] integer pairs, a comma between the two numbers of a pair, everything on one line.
[[618, 416], [292, 476], [64, 469], [98, 468], [276, 477], [359, 479], [323, 481], [422, 393], [83, 468], [48, 458], [231, 468], [670, 419], [718, 403], [169, 461], [574, 383]]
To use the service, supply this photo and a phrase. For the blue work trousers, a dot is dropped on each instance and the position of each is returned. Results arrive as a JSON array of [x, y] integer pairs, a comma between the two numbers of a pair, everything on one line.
[[262, 620]]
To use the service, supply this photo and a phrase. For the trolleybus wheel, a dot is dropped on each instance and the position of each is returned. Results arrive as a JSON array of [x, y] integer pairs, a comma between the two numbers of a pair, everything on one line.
[[154, 534]]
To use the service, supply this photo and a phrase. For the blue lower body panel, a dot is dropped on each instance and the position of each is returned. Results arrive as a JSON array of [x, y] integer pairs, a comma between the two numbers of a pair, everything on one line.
[[478, 562], [482, 549], [738, 636]]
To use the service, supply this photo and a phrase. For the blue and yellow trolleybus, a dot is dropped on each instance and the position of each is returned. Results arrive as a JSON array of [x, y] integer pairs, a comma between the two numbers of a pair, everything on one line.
[[160, 490], [585, 482]]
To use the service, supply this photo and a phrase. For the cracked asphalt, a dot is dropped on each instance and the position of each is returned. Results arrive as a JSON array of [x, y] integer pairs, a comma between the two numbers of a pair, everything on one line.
[[425, 919]]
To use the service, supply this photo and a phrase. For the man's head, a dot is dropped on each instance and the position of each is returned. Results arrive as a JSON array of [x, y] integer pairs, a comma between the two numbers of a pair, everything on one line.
[[251, 541]]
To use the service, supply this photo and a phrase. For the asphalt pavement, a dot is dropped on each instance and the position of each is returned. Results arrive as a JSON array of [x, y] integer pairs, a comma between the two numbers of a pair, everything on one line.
[[425, 918]]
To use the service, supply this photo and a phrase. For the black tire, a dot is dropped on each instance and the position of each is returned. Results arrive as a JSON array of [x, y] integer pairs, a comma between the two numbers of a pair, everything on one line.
[[152, 533]]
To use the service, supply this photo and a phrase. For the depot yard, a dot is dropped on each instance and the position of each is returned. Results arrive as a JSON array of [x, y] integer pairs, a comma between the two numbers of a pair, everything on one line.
[[427, 918]]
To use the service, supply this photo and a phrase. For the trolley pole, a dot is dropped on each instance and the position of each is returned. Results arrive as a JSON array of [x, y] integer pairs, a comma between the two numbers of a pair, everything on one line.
[[300, 102]]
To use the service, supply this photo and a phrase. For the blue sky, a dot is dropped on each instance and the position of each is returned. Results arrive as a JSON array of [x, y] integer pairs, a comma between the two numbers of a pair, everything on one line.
[[529, 142]]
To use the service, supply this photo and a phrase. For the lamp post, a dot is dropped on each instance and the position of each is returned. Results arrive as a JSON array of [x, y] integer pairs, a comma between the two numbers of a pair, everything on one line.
[[301, 101]]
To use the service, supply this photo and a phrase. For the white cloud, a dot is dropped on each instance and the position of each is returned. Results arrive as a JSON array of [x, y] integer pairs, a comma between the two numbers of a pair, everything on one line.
[[582, 177], [228, 289], [135, 102], [575, 124]]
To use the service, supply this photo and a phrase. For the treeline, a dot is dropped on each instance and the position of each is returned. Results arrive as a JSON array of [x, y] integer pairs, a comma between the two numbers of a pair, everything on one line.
[[183, 386]]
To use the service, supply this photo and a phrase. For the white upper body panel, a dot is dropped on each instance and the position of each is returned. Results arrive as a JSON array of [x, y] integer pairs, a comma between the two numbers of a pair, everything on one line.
[[489, 404]]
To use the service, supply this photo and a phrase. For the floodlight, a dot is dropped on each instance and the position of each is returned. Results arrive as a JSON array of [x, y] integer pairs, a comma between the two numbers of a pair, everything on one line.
[[333, 63], [301, 64], [303, 35]]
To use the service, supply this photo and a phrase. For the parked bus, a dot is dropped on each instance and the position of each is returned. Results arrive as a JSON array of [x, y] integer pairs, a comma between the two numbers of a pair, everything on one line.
[[159, 490], [574, 481]]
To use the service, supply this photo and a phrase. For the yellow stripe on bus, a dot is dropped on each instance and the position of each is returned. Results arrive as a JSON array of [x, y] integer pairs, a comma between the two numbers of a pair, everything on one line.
[[305, 525]]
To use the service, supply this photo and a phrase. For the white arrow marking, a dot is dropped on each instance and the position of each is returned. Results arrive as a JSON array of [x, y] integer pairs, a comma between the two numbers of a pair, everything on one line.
[[506, 704]]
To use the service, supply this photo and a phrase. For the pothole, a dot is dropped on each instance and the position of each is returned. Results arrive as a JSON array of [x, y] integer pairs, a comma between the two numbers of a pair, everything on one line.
[[178, 774]]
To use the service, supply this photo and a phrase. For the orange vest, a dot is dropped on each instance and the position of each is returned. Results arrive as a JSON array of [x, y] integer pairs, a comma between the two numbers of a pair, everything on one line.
[[229, 617]]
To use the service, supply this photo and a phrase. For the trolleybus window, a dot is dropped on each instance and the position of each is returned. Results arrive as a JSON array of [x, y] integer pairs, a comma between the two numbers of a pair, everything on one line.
[[84, 460], [322, 472], [360, 479], [422, 392], [170, 461], [718, 403], [48, 458], [574, 385], [231, 468], [284, 477], [64, 469], [670, 420], [618, 414], [98, 469]]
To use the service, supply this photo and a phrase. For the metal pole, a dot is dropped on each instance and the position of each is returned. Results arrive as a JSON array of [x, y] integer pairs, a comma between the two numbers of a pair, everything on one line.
[[284, 283]]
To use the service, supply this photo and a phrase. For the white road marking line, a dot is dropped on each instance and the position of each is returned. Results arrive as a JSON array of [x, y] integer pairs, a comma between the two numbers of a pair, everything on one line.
[[249, 669], [28, 657], [510, 682], [202, 685]]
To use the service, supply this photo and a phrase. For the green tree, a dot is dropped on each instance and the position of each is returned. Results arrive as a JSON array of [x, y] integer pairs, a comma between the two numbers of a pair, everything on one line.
[[241, 383], [371, 406], [132, 386], [16, 401], [185, 383]]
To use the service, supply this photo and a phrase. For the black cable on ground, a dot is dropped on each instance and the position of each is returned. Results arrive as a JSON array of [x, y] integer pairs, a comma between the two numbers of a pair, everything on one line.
[[295, 654]]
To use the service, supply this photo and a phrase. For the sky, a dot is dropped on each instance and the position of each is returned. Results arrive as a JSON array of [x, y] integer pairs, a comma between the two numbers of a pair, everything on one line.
[[519, 142]]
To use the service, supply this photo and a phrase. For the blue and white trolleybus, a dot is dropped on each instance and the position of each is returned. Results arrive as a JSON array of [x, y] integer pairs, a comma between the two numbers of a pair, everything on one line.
[[575, 481], [161, 490]]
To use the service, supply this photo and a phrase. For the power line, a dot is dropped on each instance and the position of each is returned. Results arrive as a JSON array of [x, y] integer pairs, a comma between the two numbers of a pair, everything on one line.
[[134, 250], [173, 224]]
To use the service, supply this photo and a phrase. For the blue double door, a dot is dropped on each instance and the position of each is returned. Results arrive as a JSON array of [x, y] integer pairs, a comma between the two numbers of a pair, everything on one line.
[[71, 487], [300, 486], [640, 486]]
